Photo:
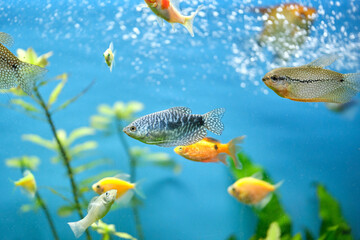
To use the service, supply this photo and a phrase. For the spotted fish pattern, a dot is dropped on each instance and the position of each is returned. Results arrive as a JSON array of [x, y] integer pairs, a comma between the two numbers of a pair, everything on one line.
[[175, 126], [14, 72], [313, 83]]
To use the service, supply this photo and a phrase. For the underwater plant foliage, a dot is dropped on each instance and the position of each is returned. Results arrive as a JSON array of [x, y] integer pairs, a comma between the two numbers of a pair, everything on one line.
[[275, 224]]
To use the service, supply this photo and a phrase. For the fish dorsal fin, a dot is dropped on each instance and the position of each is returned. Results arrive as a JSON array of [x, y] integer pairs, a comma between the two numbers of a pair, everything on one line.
[[123, 176], [182, 110], [258, 175], [210, 139], [92, 203], [175, 4], [6, 39], [323, 61], [111, 46]]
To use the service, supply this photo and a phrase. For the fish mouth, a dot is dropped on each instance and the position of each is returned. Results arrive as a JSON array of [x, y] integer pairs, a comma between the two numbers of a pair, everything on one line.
[[113, 193], [126, 131]]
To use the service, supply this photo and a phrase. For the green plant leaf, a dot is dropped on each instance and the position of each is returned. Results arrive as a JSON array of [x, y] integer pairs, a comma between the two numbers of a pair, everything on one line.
[[59, 194], [66, 210], [24, 162], [82, 147], [90, 165], [25, 105], [297, 237], [39, 141], [79, 133], [273, 233], [55, 93], [124, 235]]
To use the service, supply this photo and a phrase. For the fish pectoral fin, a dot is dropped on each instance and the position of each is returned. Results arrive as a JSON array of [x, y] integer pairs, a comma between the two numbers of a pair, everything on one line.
[[323, 61], [160, 21], [264, 202], [342, 94], [222, 158]]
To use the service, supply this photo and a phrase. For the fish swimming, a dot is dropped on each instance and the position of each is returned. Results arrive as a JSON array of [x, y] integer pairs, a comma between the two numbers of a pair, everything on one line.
[[168, 10], [175, 127], [286, 27], [28, 183], [211, 150], [98, 208], [14, 72], [251, 190], [116, 183], [109, 56], [313, 83]]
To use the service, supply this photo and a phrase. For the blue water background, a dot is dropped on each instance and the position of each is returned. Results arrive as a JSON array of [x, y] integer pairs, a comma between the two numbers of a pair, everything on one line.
[[300, 143]]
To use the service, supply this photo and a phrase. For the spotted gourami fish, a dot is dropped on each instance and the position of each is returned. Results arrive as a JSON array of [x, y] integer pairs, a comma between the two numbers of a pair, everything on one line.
[[286, 27], [211, 150], [175, 127], [14, 72], [109, 183], [28, 183], [251, 190], [109, 56], [169, 11], [97, 209], [313, 83]]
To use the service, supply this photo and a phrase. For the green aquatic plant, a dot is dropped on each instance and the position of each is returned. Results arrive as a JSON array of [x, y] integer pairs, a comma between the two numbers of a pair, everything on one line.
[[111, 120], [108, 230], [275, 224], [31, 163]]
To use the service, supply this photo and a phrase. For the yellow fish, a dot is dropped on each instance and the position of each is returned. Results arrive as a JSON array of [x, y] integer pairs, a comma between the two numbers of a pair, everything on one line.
[[168, 10], [286, 27], [28, 183], [110, 183], [14, 72], [251, 190], [109, 56], [211, 150], [313, 83]]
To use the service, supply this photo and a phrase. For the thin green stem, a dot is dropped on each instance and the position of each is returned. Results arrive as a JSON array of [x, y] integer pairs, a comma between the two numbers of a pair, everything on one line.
[[65, 157], [45, 210], [132, 163]]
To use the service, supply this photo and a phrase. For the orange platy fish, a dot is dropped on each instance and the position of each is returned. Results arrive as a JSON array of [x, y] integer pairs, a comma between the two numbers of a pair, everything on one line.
[[313, 83], [116, 183], [286, 27], [211, 150], [251, 190], [169, 11]]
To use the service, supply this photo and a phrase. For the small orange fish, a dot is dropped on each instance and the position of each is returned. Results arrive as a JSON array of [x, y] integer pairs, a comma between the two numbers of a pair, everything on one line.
[[286, 27], [168, 10], [250, 190], [211, 150], [110, 183]]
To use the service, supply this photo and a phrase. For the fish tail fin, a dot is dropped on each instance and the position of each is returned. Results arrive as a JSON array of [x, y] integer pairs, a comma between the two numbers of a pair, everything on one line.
[[233, 149], [354, 80], [138, 189], [28, 74], [212, 120], [77, 228], [188, 24]]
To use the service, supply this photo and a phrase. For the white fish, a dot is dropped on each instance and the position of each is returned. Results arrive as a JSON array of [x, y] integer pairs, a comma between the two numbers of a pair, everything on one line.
[[98, 208]]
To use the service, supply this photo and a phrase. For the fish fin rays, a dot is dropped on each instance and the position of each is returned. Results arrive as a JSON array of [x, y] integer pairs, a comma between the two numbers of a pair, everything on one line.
[[213, 120], [342, 94], [182, 110], [221, 157], [28, 74], [185, 140], [160, 21], [77, 228], [233, 149], [353, 79], [323, 61], [189, 20], [6, 39], [175, 4], [264, 202]]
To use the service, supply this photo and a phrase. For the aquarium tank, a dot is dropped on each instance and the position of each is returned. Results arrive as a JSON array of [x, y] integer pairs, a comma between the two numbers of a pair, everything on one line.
[[179, 119]]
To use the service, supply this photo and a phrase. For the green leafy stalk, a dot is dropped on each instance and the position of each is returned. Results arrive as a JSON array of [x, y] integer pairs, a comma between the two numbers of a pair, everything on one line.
[[64, 155], [132, 164]]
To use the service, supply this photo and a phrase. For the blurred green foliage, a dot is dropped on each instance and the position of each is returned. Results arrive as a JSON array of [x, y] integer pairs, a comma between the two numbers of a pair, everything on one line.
[[23, 162], [108, 230]]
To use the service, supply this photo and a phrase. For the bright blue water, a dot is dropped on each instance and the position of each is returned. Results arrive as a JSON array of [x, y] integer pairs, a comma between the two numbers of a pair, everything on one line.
[[220, 67]]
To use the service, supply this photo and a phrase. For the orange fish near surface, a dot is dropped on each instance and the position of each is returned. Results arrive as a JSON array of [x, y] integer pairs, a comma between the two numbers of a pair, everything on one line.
[[211, 150], [168, 10], [250, 190], [286, 27]]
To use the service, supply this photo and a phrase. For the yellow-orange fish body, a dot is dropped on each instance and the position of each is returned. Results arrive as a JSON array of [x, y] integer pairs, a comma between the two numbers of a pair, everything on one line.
[[250, 190], [110, 183], [313, 83], [211, 150], [166, 10]]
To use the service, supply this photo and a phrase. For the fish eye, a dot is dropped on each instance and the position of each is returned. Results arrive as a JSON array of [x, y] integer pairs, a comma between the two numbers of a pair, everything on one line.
[[180, 148], [97, 186], [274, 78], [107, 194], [133, 128]]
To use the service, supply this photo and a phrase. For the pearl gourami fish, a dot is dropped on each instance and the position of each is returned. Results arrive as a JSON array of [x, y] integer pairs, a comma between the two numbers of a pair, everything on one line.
[[175, 127], [313, 83], [14, 72], [169, 11], [97, 209], [211, 150]]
